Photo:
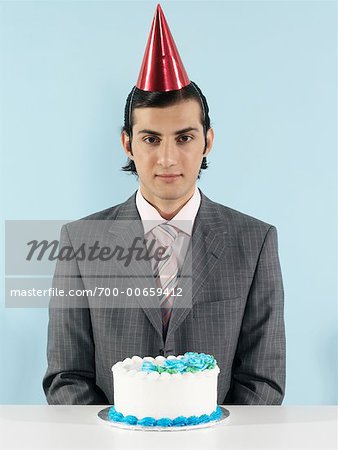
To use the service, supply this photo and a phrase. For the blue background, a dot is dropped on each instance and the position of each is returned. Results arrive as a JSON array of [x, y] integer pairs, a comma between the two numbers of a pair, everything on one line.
[[268, 70]]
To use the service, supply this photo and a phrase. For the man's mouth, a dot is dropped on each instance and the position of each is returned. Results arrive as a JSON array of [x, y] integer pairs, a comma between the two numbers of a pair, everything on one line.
[[168, 175]]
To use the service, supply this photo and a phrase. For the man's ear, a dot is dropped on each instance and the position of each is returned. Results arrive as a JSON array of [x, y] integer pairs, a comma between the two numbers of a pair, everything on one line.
[[210, 140], [125, 141]]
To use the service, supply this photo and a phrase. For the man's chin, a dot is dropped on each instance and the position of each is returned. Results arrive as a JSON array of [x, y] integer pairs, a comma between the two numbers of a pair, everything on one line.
[[171, 194], [167, 191]]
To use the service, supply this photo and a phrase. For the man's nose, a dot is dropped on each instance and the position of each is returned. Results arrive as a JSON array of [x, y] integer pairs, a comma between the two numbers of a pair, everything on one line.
[[167, 154]]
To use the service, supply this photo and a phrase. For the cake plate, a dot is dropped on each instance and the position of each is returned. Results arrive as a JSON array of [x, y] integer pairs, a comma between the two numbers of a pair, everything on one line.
[[103, 416]]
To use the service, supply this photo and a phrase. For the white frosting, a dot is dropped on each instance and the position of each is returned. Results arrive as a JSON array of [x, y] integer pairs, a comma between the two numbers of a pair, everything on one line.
[[152, 394]]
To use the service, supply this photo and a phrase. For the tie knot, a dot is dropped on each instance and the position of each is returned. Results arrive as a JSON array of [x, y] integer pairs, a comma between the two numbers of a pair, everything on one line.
[[165, 233]]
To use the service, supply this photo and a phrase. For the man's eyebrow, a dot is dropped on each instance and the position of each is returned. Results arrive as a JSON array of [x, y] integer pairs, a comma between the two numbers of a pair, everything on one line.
[[156, 133]]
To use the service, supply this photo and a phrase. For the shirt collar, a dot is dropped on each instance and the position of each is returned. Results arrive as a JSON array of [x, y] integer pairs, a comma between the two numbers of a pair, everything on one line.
[[184, 219]]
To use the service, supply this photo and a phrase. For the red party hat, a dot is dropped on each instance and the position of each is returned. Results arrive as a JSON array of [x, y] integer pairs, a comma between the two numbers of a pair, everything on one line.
[[162, 69]]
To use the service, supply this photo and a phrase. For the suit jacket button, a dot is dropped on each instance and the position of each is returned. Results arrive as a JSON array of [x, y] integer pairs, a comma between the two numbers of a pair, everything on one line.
[[161, 351]]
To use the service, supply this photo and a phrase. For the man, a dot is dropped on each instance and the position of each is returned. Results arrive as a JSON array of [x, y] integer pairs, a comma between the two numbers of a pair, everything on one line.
[[232, 302]]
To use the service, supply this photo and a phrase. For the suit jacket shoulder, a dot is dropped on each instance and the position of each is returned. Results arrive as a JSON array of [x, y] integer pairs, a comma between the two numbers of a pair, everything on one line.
[[125, 210], [105, 214], [235, 222]]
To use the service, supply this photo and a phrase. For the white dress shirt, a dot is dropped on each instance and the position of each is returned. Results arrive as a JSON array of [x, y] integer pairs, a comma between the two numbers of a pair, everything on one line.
[[183, 220]]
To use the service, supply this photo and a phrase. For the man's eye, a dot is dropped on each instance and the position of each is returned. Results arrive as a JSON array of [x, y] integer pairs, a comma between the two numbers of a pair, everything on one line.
[[184, 138], [151, 140]]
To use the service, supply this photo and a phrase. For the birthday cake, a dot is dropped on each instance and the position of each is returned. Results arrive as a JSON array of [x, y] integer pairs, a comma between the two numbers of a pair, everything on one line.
[[165, 392]]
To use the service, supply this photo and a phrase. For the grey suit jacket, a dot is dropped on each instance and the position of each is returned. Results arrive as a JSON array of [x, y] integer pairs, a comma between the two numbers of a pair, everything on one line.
[[232, 308]]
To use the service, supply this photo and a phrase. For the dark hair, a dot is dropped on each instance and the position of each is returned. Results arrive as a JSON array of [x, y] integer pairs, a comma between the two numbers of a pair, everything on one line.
[[143, 99]]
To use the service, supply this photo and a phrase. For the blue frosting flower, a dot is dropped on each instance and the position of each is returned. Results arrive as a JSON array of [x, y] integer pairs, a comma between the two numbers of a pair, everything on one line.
[[189, 354], [148, 366], [180, 421], [175, 364], [132, 420], [192, 420], [199, 361], [116, 416], [204, 418], [147, 421], [164, 422], [216, 414]]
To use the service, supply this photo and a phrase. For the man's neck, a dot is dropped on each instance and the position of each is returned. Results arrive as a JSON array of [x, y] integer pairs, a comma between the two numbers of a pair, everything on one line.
[[169, 208]]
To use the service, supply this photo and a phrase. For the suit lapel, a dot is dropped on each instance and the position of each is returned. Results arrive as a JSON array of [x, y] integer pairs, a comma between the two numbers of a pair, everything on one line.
[[208, 241], [209, 238], [125, 228]]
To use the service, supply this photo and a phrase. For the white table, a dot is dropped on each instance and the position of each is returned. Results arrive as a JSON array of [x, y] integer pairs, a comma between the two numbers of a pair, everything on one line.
[[260, 427]]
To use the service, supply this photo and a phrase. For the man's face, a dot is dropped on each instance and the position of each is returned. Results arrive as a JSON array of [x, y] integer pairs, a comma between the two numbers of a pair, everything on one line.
[[167, 149]]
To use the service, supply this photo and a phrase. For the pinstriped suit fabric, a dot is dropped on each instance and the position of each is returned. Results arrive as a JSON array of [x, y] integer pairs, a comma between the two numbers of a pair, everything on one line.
[[236, 313]]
